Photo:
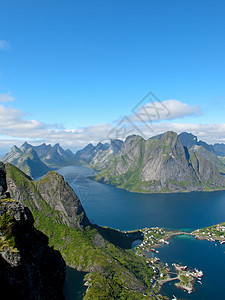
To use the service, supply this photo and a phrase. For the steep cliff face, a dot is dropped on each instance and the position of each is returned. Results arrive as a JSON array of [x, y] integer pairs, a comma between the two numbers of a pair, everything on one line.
[[160, 164], [102, 157], [29, 268], [60, 196], [49, 193], [85, 155]]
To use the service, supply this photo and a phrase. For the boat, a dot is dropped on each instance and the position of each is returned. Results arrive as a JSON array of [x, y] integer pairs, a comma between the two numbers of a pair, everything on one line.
[[222, 242], [174, 298], [199, 282]]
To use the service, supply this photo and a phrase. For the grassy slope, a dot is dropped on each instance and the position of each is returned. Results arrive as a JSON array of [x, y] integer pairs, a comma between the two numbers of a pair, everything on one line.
[[115, 273]]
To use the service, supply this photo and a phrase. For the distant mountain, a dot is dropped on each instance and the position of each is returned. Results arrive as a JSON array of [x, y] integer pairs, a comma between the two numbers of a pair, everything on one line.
[[36, 161], [160, 164], [27, 161], [219, 149], [207, 151], [86, 154], [189, 140], [54, 157], [102, 157]]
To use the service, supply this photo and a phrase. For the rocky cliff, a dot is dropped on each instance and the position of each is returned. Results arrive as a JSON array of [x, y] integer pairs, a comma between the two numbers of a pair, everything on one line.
[[103, 156], [29, 268], [160, 164], [207, 151], [85, 155]]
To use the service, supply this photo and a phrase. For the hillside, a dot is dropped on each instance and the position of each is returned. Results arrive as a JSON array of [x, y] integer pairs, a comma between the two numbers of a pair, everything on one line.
[[113, 271], [160, 164]]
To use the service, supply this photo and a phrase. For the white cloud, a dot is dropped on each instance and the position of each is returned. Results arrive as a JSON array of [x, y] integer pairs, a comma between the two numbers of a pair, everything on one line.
[[4, 45], [165, 110], [6, 97], [15, 128]]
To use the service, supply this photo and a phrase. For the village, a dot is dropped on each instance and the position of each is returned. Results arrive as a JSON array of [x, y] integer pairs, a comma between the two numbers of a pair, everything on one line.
[[212, 233], [153, 238]]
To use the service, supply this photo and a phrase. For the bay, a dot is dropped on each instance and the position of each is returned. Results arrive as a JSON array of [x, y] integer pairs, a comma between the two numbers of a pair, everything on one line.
[[109, 206]]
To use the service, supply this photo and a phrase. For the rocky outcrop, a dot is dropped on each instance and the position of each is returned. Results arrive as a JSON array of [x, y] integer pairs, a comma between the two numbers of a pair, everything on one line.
[[60, 196], [50, 190], [29, 268], [102, 157], [160, 164], [86, 154]]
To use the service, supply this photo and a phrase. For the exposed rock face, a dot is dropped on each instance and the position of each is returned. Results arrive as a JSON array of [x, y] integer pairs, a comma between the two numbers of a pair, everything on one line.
[[29, 268], [207, 151], [160, 164], [86, 154], [102, 157], [60, 196], [51, 189], [189, 140]]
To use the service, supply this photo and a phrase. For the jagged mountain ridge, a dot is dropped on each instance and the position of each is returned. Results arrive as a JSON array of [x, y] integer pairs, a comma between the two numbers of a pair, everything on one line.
[[207, 151], [27, 160], [160, 164], [53, 156], [36, 161], [102, 157], [85, 155]]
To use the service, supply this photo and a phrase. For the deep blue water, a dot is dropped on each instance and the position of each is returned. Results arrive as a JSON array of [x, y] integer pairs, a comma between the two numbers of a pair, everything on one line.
[[109, 206], [204, 256], [106, 205]]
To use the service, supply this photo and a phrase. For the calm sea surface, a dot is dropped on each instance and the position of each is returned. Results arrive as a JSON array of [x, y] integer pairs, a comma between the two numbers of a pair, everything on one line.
[[109, 206]]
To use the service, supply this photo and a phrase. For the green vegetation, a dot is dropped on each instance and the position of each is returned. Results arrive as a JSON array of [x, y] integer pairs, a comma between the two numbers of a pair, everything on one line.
[[6, 226], [113, 271]]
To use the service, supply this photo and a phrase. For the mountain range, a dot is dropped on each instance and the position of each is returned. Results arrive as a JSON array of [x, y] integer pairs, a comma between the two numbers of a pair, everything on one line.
[[36, 161], [164, 164]]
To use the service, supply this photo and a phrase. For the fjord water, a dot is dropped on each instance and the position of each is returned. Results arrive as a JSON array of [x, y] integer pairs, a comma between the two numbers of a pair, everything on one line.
[[106, 205], [203, 255]]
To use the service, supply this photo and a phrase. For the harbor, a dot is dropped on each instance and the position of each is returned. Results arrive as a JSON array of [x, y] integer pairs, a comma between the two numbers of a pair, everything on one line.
[[184, 276]]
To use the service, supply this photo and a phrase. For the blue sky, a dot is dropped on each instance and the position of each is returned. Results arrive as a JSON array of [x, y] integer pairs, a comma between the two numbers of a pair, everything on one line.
[[74, 67]]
